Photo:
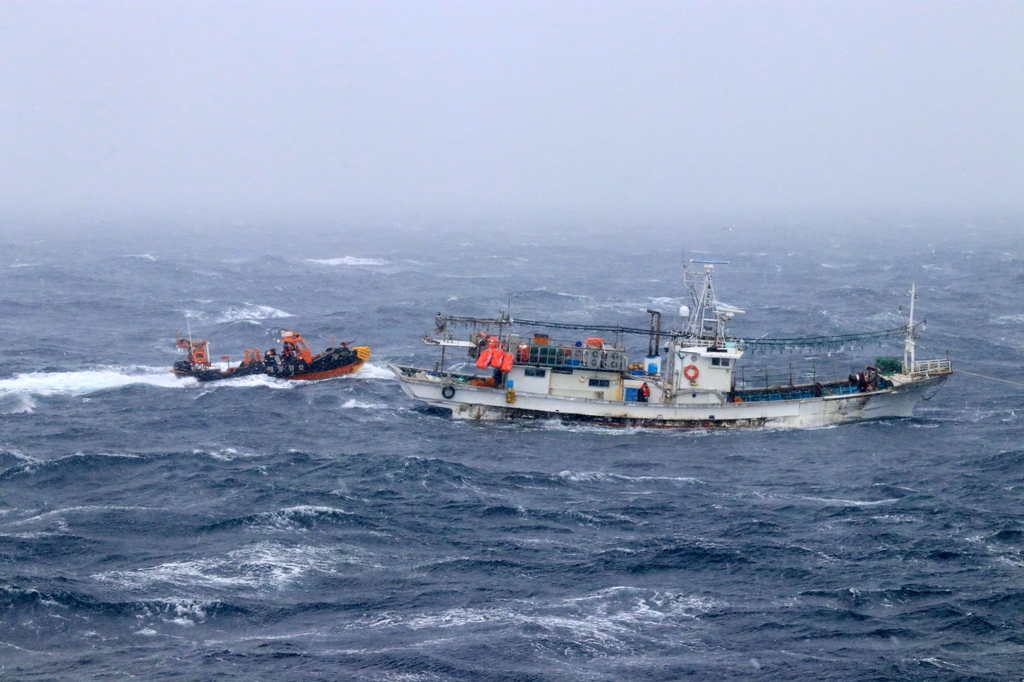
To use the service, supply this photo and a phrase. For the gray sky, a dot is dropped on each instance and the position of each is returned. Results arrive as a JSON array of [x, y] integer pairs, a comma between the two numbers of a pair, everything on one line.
[[635, 110]]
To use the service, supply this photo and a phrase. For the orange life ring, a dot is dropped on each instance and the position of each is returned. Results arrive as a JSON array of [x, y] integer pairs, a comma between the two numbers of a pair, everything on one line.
[[691, 372]]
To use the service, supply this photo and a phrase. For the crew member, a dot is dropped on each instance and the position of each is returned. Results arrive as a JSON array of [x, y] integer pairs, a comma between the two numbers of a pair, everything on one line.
[[270, 357], [643, 393]]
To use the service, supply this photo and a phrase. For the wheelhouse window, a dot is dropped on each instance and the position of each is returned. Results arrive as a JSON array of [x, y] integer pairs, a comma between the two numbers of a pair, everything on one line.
[[600, 383], [535, 372]]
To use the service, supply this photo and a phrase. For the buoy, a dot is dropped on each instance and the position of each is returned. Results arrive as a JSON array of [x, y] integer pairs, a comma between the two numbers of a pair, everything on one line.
[[510, 396], [497, 355], [595, 342], [484, 359], [506, 362], [524, 352]]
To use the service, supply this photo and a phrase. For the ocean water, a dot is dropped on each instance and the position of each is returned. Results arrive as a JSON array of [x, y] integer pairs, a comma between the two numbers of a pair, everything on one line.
[[157, 528]]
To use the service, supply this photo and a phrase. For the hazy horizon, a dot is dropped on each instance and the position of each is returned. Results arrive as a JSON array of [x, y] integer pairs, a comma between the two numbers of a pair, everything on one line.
[[241, 113]]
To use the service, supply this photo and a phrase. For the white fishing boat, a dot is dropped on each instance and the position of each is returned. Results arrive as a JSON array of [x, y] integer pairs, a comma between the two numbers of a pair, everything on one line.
[[688, 378]]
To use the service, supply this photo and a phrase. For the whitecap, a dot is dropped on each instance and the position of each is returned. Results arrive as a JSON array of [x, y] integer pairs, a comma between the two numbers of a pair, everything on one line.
[[348, 260], [352, 403], [371, 371], [606, 620], [850, 503], [288, 518], [598, 476], [257, 380], [251, 313], [90, 381], [264, 565]]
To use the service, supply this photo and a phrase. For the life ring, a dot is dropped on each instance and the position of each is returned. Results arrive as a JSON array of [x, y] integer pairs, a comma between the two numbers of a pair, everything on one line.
[[448, 392], [691, 372], [510, 396]]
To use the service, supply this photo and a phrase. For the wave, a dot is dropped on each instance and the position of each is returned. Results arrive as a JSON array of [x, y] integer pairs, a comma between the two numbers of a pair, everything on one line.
[[16, 392], [84, 382], [251, 313], [610, 620], [254, 381], [849, 503], [371, 371], [347, 260], [16, 403], [352, 404], [264, 565], [597, 476]]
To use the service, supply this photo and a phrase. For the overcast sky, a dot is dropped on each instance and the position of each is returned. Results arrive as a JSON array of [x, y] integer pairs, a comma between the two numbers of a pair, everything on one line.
[[635, 110]]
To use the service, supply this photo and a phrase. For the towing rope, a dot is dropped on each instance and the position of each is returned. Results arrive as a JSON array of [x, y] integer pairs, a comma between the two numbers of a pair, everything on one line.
[[982, 376]]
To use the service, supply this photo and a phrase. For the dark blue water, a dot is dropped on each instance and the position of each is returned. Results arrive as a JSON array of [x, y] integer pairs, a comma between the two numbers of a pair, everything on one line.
[[258, 529]]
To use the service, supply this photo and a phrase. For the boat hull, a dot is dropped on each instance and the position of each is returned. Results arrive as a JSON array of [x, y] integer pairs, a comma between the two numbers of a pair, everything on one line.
[[489, 404], [332, 363]]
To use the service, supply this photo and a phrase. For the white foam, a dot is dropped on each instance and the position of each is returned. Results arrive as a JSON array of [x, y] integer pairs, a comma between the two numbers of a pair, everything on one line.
[[286, 519], [353, 404], [1008, 319], [227, 454], [348, 260], [256, 380], [606, 619], [250, 312], [264, 565], [90, 381], [59, 513], [143, 256], [588, 476], [851, 503], [371, 371]]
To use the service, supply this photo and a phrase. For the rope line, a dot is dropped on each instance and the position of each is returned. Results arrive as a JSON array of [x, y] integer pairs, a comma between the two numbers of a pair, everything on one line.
[[982, 376], [832, 342]]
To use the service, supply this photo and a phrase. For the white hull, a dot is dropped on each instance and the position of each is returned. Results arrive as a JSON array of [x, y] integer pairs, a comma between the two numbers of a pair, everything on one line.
[[490, 404]]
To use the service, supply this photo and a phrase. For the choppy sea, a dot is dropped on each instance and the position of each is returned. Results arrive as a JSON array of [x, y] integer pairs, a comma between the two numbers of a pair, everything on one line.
[[157, 528]]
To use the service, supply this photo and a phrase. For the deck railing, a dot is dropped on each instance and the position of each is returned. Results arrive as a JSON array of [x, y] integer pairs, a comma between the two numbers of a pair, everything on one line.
[[933, 367]]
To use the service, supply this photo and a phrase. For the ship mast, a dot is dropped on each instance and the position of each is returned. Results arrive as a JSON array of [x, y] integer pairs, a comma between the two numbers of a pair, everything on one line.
[[908, 344], [706, 323]]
